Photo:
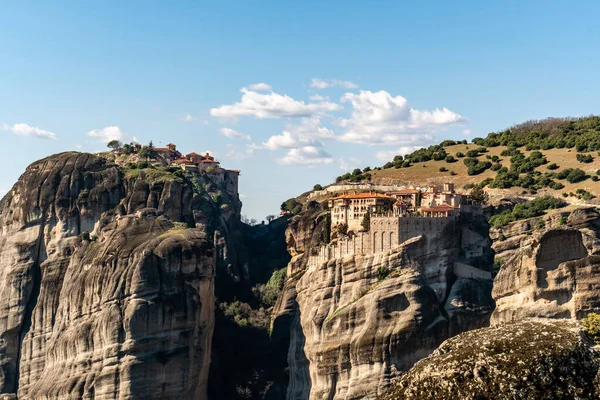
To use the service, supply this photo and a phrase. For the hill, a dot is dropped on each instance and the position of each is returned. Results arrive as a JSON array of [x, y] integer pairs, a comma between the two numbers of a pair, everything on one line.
[[556, 156]]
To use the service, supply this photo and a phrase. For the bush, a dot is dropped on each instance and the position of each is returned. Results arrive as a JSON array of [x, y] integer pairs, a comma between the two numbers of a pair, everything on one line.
[[591, 326], [553, 166], [576, 175], [382, 272], [273, 287], [450, 159], [460, 154], [530, 209], [585, 158], [443, 169], [317, 187], [292, 205], [540, 224]]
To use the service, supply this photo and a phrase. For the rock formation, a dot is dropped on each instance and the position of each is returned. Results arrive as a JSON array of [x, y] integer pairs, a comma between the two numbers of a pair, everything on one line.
[[357, 322], [106, 283], [526, 359], [551, 273]]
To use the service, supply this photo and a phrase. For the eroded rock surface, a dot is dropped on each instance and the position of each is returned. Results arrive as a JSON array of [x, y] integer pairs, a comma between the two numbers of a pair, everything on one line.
[[556, 276], [357, 322], [527, 359], [106, 286]]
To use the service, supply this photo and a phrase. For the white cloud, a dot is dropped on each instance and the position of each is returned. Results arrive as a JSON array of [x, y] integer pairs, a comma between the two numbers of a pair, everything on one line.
[[135, 140], [243, 196], [327, 83], [306, 156], [380, 119], [467, 132], [107, 134], [348, 164], [259, 87], [26, 130], [307, 133], [4, 127], [189, 118], [389, 155], [318, 97], [230, 133], [205, 122], [235, 153], [272, 105]]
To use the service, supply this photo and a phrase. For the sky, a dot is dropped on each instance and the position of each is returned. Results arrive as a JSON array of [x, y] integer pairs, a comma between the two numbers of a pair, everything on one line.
[[291, 93]]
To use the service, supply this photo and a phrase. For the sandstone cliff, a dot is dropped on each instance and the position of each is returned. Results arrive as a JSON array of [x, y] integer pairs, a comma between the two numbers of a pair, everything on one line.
[[106, 282], [551, 272], [357, 322], [527, 359]]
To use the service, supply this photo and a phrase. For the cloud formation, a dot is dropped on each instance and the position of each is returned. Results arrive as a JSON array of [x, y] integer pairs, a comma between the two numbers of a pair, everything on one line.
[[307, 133], [31, 131], [232, 134], [188, 118], [306, 156], [106, 134], [328, 83], [378, 118], [271, 105], [259, 87]]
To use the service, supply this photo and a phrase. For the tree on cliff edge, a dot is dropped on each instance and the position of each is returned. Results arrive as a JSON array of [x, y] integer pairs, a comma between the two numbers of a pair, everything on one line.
[[366, 222], [479, 196]]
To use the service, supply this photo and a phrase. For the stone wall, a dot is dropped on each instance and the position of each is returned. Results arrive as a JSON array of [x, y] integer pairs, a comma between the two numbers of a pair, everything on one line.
[[386, 233]]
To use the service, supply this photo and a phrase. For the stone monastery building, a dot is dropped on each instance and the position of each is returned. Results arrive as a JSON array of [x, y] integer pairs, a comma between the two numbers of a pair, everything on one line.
[[227, 178], [394, 218]]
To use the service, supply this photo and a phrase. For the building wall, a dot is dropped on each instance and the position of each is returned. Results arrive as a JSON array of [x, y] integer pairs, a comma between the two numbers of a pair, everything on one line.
[[386, 232]]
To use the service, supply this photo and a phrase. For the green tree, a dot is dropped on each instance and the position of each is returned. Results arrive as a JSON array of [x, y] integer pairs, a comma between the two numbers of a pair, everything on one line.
[[591, 325], [114, 145], [479, 196], [317, 187], [366, 222], [148, 151]]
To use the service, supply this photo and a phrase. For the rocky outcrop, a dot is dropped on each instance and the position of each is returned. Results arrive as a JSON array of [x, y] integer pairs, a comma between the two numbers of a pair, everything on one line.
[[106, 283], [528, 359], [358, 322], [553, 272]]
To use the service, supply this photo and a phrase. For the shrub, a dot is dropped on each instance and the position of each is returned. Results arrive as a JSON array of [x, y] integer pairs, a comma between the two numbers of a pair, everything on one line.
[[450, 159], [382, 272], [585, 158], [460, 154], [317, 187], [591, 326], [273, 287], [530, 209], [540, 224], [595, 178], [576, 175], [553, 166], [443, 169]]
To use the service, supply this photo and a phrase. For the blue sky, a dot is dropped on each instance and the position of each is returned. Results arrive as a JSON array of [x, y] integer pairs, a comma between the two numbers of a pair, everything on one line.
[[337, 84]]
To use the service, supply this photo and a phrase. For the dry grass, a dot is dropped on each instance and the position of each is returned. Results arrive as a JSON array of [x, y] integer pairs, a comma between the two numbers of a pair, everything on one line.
[[422, 174]]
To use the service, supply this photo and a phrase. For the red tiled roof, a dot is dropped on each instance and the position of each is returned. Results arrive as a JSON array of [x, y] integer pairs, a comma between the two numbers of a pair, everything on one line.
[[441, 208], [170, 144], [162, 149], [210, 161], [399, 203], [193, 154]]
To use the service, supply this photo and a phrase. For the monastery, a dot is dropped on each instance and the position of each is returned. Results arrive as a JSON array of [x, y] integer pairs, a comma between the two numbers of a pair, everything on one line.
[[394, 217], [227, 178]]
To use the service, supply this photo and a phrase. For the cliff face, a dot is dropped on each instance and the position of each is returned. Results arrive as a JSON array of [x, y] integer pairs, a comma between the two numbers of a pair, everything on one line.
[[357, 322], [550, 273], [526, 359], [106, 283]]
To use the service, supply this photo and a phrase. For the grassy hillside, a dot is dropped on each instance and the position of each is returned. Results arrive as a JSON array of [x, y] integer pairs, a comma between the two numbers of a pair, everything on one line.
[[529, 159]]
